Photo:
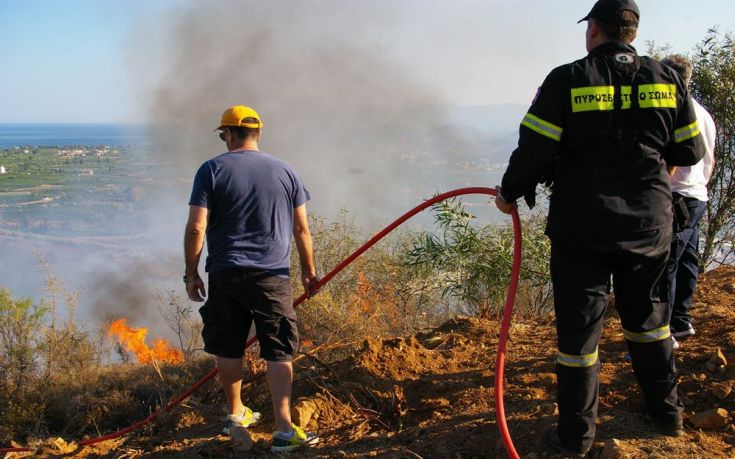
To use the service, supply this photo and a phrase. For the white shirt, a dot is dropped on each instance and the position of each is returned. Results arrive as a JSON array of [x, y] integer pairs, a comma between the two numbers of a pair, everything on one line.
[[691, 181]]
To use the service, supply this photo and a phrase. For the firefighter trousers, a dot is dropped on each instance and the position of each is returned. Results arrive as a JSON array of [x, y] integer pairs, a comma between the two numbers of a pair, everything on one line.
[[581, 271]]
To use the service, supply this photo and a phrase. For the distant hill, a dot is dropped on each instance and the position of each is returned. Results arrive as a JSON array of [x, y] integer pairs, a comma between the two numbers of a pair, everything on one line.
[[478, 133], [495, 119]]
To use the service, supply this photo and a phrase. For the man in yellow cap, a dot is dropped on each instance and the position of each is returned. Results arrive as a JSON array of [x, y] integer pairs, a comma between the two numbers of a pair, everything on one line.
[[248, 204]]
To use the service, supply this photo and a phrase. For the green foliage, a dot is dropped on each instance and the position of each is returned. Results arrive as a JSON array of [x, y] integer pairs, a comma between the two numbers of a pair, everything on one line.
[[713, 85], [473, 265], [21, 323]]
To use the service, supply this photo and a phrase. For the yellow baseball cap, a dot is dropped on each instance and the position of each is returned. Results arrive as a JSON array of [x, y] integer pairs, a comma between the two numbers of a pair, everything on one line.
[[234, 115]]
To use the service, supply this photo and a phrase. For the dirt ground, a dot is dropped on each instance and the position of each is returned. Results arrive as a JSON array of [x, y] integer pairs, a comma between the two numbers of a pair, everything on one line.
[[431, 396]]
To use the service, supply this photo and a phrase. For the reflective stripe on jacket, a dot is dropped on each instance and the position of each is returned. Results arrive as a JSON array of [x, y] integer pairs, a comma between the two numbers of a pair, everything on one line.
[[602, 131]]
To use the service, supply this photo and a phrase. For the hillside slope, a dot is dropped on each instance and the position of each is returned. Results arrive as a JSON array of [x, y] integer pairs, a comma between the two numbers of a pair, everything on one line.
[[431, 396]]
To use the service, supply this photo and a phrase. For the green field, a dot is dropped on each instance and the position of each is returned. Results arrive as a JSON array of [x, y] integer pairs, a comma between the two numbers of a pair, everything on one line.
[[74, 191]]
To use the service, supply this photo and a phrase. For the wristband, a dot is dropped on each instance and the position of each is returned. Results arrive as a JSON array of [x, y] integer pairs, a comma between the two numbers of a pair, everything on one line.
[[189, 280]]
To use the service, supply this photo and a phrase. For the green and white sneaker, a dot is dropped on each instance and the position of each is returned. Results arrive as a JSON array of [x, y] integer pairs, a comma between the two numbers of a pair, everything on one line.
[[248, 418], [284, 442]]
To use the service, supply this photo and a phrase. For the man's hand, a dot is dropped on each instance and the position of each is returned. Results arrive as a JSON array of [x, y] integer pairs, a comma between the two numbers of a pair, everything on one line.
[[195, 290], [309, 281], [503, 205]]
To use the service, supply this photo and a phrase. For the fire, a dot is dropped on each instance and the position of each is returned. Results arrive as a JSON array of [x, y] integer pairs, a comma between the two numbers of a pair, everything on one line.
[[133, 340]]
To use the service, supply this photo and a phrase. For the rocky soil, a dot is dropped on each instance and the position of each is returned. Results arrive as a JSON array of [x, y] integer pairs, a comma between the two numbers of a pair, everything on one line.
[[431, 396]]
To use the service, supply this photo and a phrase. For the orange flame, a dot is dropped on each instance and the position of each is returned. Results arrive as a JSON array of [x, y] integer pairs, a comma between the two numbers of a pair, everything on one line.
[[133, 340]]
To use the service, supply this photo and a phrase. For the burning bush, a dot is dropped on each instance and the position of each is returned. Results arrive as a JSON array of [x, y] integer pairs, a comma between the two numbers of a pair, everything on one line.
[[133, 340]]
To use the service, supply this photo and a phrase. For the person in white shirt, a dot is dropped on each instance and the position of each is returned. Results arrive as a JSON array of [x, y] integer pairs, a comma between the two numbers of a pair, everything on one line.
[[689, 187]]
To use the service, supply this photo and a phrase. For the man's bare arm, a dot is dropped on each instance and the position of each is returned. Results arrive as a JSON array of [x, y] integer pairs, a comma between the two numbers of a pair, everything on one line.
[[196, 228], [304, 245]]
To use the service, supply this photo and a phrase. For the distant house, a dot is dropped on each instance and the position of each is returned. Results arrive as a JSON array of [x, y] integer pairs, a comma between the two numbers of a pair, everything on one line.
[[2, 170], [87, 172]]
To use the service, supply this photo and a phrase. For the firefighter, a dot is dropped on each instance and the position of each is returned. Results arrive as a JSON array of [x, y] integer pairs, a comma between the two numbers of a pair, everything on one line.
[[601, 132]]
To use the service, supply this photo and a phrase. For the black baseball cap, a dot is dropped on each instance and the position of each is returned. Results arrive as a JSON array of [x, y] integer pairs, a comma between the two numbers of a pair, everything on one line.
[[606, 11]]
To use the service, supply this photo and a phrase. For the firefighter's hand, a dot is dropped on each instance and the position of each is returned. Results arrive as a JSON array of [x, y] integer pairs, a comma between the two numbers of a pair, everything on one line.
[[309, 281], [195, 290], [503, 205]]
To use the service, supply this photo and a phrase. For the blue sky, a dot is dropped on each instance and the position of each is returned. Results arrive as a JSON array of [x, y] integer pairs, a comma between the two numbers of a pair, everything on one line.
[[57, 57], [93, 61]]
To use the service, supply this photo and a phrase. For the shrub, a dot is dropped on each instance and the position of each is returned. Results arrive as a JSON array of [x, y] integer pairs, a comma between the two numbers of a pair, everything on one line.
[[376, 295], [473, 264], [178, 313]]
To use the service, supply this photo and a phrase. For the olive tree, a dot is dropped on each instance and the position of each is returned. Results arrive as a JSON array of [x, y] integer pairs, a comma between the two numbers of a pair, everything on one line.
[[713, 85], [472, 264]]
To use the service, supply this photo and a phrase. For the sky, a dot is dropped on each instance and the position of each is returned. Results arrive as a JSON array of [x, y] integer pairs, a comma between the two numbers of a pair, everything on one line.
[[86, 61]]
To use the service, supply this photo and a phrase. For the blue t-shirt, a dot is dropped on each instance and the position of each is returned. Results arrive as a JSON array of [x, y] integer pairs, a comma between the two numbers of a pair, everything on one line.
[[251, 197]]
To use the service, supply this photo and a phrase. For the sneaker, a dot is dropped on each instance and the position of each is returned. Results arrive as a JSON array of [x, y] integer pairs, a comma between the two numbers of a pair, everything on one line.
[[248, 418], [682, 335], [284, 442], [556, 443]]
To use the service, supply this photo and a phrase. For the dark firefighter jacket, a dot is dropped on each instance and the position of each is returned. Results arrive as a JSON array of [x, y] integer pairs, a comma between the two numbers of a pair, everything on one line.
[[601, 132]]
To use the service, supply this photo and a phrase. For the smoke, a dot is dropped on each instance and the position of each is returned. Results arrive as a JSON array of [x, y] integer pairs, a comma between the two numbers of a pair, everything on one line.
[[336, 104]]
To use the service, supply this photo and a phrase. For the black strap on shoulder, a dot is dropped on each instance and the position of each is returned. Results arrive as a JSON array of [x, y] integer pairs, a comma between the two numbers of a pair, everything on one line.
[[623, 69]]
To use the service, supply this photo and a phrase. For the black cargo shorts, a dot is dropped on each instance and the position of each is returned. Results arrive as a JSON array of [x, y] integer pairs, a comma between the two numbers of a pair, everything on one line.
[[237, 298]]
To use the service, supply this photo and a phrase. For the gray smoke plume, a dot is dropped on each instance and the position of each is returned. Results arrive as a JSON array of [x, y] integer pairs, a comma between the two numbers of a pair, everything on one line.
[[335, 103], [364, 129]]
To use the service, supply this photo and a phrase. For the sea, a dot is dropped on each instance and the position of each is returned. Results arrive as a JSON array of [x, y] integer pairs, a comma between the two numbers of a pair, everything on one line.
[[54, 135]]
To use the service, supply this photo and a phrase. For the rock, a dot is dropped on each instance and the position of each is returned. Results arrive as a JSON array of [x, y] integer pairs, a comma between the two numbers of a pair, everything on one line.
[[60, 445], [720, 390], [57, 446], [711, 367], [711, 419], [718, 358], [547, 378], [302, 413], [241, 439], [612, 449], [552, 409]]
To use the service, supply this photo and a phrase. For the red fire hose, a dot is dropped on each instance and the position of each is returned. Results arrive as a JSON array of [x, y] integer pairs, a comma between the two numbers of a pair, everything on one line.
[[504, 328]]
